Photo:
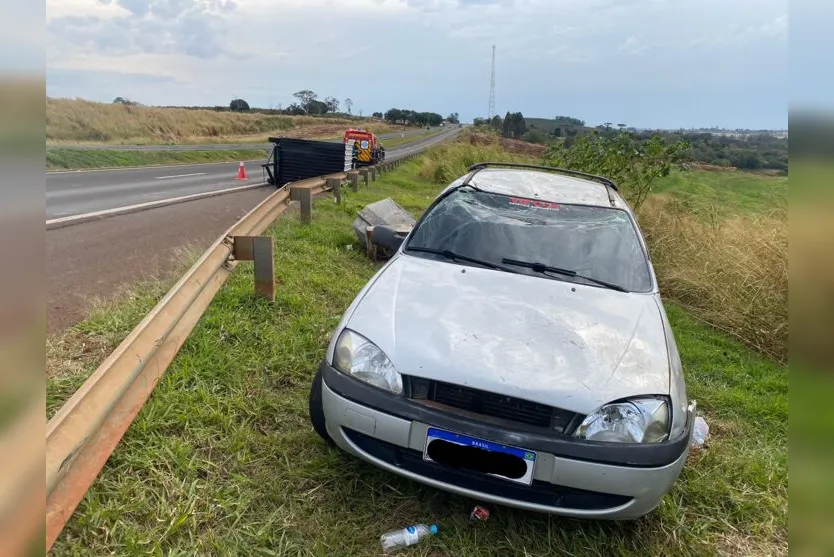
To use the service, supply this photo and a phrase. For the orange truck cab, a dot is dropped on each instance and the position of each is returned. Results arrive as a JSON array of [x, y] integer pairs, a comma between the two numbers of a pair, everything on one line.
[[367, 149]]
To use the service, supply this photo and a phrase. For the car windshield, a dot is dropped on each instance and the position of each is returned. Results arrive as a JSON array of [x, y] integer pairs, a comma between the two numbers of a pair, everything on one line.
[[598, 243]]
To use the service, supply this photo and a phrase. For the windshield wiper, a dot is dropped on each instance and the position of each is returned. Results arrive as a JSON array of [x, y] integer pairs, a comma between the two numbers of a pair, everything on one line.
[[452, 256], [542, 268]]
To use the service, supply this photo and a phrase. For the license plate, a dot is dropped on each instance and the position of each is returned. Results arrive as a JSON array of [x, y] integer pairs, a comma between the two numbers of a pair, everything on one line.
[[527, 457]]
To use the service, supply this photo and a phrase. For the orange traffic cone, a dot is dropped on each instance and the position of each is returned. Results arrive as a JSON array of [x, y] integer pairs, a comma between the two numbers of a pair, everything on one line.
[[241, 172]]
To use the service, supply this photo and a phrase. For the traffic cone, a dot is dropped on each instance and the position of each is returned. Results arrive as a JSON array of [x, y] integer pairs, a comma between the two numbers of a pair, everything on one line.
[[241, 172]]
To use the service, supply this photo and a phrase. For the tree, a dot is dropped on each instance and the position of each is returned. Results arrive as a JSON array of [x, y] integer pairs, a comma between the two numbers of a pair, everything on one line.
[[349, 105], [239, 105], [514, 125], [124, 101], [453, 118], [378, 115], [630, 163], [332, 104], [305, 98]]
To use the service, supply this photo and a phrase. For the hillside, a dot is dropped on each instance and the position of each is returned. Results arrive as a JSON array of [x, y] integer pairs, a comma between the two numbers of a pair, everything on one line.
[[79, 121]]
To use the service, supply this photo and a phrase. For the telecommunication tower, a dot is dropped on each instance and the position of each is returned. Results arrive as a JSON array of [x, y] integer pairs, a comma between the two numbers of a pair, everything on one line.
[[492, 87]]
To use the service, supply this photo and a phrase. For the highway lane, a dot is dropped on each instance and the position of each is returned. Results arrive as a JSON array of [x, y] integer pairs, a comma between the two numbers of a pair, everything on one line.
[[77, 192], [96, 259]]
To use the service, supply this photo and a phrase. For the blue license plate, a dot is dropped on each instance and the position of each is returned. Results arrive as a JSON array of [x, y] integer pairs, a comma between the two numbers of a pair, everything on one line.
[[527, 457]]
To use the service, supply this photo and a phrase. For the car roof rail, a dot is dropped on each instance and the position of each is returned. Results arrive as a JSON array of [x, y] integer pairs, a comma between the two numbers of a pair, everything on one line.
[[604, 181]]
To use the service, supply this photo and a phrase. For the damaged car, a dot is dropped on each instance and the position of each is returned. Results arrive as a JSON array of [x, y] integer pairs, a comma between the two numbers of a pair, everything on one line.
[[515, 350]]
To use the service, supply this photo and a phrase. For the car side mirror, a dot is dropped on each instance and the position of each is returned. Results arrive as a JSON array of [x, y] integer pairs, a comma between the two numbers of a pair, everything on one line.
[[389, 238]]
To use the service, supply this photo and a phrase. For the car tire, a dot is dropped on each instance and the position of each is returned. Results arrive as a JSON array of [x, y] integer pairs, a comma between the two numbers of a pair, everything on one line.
[[316, 409]]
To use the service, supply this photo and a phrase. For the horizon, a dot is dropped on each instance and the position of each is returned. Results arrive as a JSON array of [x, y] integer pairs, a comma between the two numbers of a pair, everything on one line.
[[526, 117], [651, 64]]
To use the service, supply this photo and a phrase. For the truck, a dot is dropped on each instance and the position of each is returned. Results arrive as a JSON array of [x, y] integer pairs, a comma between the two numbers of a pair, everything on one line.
[[367, 149]]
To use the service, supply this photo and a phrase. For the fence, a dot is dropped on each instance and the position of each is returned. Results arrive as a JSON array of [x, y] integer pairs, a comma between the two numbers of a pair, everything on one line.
[[82, 435]]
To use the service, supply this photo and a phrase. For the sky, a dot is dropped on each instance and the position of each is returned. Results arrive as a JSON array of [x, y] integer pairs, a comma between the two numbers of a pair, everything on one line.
[[644, 63]]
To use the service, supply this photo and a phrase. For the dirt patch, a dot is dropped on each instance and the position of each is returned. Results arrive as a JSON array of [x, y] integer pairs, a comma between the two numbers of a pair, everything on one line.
[[515, 146], [519, 147]]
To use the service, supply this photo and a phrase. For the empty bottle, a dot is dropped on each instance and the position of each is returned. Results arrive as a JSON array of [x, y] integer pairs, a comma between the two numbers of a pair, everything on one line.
[[700, 433], [411, 535]]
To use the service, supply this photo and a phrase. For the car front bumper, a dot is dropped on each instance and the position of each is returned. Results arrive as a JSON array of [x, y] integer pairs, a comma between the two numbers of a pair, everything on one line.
[[363, 421]]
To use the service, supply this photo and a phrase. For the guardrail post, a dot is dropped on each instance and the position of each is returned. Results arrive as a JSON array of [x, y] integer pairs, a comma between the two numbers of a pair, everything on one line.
[[354, 181], [306, 199], [373, 171], [366, 176], [260, 250], [336, 185]]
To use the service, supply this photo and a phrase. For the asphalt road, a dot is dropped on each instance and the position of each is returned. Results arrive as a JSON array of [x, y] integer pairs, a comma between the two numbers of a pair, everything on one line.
[[77, 192], [94, 260]]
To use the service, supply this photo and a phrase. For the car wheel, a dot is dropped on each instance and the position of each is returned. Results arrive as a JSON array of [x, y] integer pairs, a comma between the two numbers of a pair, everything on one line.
[[316, 410]]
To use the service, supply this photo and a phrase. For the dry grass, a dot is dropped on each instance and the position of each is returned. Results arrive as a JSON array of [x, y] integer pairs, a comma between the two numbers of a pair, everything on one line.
[[732, 272], [444, 164], [80, 121]]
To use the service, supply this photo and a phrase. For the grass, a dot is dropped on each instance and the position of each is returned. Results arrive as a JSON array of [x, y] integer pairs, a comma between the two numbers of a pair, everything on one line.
[[719, 244], [80, 121], [222, 460], [65, 159], [725, 193]]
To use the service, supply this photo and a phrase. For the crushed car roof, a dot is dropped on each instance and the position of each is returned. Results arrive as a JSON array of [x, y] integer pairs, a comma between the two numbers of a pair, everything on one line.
[[544, 185]]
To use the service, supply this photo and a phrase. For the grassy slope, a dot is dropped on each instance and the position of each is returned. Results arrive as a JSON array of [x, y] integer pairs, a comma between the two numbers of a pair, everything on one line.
[[80, 121], [57, 159], [222, 460], [726, 192]]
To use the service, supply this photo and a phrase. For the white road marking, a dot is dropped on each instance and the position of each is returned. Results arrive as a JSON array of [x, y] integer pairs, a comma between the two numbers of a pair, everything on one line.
[[181, 175], [78, 219]]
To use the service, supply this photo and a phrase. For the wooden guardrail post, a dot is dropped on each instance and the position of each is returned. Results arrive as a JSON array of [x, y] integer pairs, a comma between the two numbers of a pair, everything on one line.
[[354, 181], [366, 176], [260, 250], [336, 185]]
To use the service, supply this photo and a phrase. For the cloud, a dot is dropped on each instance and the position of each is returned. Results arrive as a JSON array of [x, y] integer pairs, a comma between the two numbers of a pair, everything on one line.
[[193, 27], [632, 46], [552, 56]]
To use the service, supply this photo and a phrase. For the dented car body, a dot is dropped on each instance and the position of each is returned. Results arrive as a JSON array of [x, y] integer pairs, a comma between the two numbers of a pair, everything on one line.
[[515, 349]]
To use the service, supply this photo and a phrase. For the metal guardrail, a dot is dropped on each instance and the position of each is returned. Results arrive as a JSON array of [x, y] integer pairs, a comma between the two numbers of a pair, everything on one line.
[[82, 435]]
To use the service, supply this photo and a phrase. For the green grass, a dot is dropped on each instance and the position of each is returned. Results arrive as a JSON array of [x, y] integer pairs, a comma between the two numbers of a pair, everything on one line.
[[726, 192], [71, 159], [223, 461]]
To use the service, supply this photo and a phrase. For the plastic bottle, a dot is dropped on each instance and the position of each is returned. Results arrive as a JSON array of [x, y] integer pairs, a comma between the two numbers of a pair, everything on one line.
[[411, 535], [700, 432]]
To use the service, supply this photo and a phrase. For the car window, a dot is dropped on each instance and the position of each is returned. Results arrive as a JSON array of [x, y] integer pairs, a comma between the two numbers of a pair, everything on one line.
[[598, 242]]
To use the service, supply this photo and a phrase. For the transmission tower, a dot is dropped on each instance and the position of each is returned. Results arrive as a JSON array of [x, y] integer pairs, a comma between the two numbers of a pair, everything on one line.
[[492, 87]]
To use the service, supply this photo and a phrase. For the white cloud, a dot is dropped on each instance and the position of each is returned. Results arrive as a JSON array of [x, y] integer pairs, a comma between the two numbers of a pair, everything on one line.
[[553, 56], [632, 46]]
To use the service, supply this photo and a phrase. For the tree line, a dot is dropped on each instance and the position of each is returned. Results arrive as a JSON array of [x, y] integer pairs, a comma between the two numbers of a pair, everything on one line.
[[415, 118], [750, 151]]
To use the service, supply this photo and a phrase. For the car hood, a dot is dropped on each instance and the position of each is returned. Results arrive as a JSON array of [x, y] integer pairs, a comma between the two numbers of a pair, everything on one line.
[[558, 343]]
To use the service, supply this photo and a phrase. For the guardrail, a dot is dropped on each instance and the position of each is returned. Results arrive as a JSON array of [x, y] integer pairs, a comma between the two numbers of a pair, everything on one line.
[[82, 435]]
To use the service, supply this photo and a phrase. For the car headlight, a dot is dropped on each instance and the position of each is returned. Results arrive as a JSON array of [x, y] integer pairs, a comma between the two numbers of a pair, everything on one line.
[[361, 358], [639, 420]]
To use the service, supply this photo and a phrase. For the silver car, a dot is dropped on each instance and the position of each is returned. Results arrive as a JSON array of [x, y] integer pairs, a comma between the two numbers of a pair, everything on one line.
[[515, 350]]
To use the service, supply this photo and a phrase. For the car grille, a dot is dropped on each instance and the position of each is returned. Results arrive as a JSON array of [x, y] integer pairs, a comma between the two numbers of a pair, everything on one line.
[[493, 404]]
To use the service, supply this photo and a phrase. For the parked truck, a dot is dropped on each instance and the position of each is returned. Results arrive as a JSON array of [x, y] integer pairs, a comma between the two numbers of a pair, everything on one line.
[[367, 149]]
